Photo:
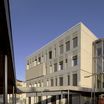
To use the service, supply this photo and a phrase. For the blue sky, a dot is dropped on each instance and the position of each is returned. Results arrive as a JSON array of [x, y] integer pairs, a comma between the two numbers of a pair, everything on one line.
[[36, 22]]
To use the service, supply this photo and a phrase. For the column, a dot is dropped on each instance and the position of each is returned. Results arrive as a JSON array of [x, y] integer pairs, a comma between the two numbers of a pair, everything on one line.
[[68, 97], [57, 99], [61, 97], [5, 88]]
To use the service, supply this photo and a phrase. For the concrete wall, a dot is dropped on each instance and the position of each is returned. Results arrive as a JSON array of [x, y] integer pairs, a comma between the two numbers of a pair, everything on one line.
[[87, 39], [36, 71]]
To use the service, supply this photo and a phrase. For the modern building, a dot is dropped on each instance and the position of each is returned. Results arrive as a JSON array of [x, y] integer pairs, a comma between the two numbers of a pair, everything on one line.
[[63, 63], [7, 64], [98, 60]]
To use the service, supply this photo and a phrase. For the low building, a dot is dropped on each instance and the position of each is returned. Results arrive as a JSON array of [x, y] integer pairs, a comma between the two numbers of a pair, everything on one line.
[[20, 97]]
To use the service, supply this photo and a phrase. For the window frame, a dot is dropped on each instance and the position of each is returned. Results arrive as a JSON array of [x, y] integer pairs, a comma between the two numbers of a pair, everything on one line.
[[75, 42]]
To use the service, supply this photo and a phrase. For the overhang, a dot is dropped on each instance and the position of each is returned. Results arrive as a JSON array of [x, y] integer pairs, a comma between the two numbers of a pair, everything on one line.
[[6, 47]]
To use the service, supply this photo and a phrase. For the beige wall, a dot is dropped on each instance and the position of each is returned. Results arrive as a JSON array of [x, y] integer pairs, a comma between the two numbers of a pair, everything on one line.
[[87, 39], [83, 51], [36, 71]]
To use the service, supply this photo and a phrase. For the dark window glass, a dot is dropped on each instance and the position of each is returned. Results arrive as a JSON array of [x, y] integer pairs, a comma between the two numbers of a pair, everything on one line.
[[56, 81], [55, 52], [99, 51], [74, 79], [61, 81], [68, 79], [67, 45], [39, 59], [55, 67], [61, 65], [98, 81], [52, 82], [75, 42], [75, 60], [66, 60], [61, 49], [50, 54]]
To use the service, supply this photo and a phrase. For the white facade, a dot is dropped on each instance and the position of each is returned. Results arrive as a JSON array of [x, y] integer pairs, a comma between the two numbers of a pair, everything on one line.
[[65, 61]]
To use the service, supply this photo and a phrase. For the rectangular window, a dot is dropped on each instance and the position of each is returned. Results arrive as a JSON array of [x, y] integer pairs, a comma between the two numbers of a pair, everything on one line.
[[35, 84], [55, 52], [35, 62], [74, 60], [61, 49], [42, 84], [67, 45], [39, 84], [68, 79], [61, 65], [61, 81], [47, 82], [75, 42], [50, 54], [74, 79], [27, 65], [39, 60], [56, 81], [99, 81], [55, 67], [99, 51], [52, 82], [50, 67]]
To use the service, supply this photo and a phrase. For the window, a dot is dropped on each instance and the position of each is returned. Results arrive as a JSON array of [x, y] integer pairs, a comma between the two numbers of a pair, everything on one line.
[[42, 58], [39, 60], [66, 60], [74, 60], [56, 81], [61, 65], [27, 65], [47, 82], [68, 79], [61, 81], [99, 81], [52, 82], [41, 83], [55, 67], [35, 84], [75, 42], [74, 79], [67, 45], [61, 49], [50, 54], [55, 52], [99, 51], [103, 81], [35, 61], [50, 67]]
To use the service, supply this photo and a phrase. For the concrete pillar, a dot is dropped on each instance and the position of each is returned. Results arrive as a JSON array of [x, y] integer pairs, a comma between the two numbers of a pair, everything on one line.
[[14, 96], [44, 99], [5, 100], [61, 97], [49, 100], [57, 99], [27, 100], [68, 97], [32, 100]]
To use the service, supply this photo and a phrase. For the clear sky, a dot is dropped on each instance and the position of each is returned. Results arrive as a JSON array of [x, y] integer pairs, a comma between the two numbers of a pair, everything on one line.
[[36, 22]]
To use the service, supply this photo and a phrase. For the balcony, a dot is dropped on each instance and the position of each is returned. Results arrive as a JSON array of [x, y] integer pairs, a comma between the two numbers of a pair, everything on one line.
[[36, 71]]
